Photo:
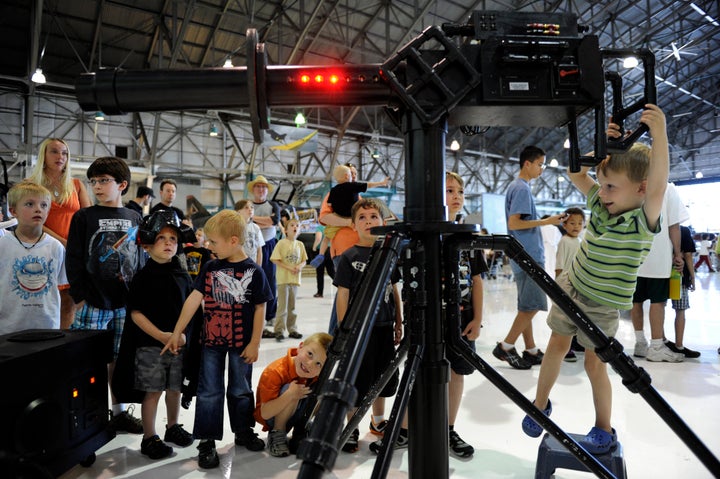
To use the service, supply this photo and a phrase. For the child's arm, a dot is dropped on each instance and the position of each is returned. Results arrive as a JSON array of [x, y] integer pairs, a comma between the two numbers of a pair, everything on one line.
[[659, 168], [472, 330], [293, 394], [251, 351], [192, 303], [375, 184], [342, 298], [688, 258], [582, 180], [151, 330]]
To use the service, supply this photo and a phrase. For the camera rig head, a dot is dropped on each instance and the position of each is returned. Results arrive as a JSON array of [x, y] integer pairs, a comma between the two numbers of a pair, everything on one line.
[[512, 69]]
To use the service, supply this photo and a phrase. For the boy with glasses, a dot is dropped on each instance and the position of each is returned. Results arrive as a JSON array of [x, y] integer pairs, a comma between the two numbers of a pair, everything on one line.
[[102, 258]]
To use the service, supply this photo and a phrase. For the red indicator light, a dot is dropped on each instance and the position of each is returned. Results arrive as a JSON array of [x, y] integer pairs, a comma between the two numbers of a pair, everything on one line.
[[319, 79], [304, 78], [92, 380], [75, 393], [334, 79]]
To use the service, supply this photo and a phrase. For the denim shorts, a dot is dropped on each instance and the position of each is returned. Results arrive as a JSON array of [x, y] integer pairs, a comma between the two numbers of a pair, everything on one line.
[[530, 297]]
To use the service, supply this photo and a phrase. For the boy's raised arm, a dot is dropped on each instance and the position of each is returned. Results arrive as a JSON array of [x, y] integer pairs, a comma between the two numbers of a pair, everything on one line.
[[582, 180], [659, 167]]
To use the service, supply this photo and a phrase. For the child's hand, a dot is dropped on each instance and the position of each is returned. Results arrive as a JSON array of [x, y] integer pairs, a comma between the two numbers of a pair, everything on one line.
[[173, 344], [654, 118], [398, 333], [250, 353], [298, 391]]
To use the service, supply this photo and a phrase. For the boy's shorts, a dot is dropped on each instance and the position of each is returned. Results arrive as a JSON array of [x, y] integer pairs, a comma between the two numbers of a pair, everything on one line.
[[155, 372], [458, 363], [604, 317], [656, 290], [684, 302], [90, 317], [529, 295]]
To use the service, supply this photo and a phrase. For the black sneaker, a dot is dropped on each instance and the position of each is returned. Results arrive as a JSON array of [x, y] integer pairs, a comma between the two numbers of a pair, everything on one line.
[[379, 428], [353, 442], [279, 336], [576, 346], [570, 357], [177, 435], [689, 353], [250, 440], [401, 443], [294, 335], [207, 455], [460, 447], [267, 334], [512, 357], [154, 448], [126, 422], [533, 359]]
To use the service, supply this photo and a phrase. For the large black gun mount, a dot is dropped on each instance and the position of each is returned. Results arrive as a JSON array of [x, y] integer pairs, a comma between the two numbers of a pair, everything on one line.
[[512, 69]]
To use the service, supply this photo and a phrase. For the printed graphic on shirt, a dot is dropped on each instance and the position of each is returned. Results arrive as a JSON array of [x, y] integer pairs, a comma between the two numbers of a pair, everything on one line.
[[229, 302], [113, 250], [194, 262], [32, 277]]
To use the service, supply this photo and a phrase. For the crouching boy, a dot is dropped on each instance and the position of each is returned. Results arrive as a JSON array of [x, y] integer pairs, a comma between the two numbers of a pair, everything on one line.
[[283, 388]]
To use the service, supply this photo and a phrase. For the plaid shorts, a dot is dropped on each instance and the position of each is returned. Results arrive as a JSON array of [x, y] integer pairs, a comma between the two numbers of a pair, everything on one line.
[[684, 302], [90, 317]]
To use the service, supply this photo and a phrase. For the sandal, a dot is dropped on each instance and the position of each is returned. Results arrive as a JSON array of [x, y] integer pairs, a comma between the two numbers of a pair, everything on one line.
[[598, 441], [530, 427]]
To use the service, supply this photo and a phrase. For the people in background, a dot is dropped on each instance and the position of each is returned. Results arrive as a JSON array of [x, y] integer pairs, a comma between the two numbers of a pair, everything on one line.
[[53, 171], [687, 248], [290, 257], [704, 253], [143, 198]]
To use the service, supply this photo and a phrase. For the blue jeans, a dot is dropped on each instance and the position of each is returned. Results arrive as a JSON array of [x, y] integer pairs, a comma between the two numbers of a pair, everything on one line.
[[269, 268], [333, 312], [211, 388]]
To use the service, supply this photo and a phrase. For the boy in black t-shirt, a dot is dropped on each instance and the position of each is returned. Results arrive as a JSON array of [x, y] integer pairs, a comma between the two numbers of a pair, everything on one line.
[[387, 331]]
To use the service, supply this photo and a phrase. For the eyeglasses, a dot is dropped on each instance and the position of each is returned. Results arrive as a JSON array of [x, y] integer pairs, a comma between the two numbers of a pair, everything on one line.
[[101, 181], [542, 166]]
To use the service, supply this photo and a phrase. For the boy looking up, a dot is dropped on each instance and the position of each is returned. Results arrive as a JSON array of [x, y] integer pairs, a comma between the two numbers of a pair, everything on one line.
[[102, 258], [283, 387], [289, 256], [233, 291], [32, 264], [625, 215], [152, 324], [387, 331]]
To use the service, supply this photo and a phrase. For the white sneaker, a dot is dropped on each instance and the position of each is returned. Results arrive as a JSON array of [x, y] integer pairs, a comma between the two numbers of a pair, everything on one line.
[[641, 350], [662, 353]]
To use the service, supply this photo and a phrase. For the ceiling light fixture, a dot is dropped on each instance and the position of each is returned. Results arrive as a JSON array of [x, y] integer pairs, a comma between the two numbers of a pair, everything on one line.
[[699, 175], [228, 63], [630, 62], [38, 77], [299, 119], [704, 14], [554, 163], [213, 130], [566, 144], [455, 145], [99, 116]]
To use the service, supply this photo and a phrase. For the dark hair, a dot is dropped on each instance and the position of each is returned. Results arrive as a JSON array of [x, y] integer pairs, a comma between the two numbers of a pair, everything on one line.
[[167, 181], [530, 153], [112, 166], [575, 211]]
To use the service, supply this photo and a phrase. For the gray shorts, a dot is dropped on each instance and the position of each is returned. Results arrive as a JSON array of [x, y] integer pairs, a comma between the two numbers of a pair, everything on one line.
[[155, 373], [606, 318], [530, 297]]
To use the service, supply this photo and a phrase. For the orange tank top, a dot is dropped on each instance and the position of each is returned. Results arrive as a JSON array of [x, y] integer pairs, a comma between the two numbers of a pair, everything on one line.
[[60, 215]]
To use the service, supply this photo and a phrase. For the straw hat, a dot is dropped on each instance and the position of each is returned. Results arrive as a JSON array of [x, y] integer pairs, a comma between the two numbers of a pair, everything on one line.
[[259, 180]]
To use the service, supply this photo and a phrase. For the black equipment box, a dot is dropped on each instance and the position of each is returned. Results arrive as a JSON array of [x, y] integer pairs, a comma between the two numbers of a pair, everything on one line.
[[54, 401]]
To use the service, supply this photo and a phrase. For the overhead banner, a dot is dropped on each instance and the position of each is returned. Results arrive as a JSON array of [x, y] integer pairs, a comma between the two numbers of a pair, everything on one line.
[[290, 138]]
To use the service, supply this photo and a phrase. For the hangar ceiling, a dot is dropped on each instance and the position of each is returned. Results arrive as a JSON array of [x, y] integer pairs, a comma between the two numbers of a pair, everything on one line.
[[68, 37]]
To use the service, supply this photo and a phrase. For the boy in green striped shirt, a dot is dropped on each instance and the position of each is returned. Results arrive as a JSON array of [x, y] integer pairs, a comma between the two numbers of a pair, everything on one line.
[[625, 207]]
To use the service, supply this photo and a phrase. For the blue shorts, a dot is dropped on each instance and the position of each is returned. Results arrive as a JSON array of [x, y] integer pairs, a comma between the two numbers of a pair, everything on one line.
[[90, 317], [530, 297]]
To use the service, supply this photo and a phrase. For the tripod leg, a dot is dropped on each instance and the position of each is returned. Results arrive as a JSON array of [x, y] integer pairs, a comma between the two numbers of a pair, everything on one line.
[[374, 392], [382, 464]]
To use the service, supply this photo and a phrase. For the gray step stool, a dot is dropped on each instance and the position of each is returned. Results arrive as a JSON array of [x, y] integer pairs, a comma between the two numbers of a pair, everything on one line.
[[552, 455]]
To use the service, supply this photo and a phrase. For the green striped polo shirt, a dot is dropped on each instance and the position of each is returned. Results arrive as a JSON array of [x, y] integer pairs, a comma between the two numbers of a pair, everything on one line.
[[605, 268]]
